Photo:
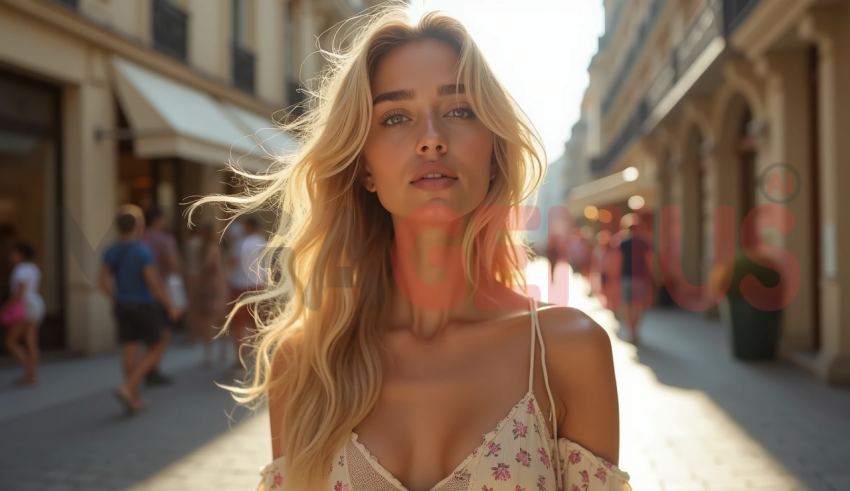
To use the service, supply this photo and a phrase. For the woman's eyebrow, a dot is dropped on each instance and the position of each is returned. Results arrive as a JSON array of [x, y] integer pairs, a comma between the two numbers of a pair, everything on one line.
[[407, 95]]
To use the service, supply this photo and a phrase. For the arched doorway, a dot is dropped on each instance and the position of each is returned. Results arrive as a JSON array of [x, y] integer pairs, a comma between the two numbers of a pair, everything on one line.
[[737, 157], [746, 160]]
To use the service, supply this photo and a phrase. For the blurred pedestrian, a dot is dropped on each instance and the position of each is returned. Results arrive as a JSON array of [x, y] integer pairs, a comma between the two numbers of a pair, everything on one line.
[[556, 244], [169, 267], [7, 243], [211, 291], [245, 278], [637, 280], [129, 278], [23, 311], [192, 269]]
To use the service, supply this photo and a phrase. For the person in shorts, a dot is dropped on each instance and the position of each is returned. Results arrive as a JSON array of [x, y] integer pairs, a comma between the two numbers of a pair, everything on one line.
[[24, 282], [129, 278], [167, 262], [246, 277], [637, 280]]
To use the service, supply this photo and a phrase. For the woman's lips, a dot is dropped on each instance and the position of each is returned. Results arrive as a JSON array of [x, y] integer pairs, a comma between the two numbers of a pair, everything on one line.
[[436, 184]]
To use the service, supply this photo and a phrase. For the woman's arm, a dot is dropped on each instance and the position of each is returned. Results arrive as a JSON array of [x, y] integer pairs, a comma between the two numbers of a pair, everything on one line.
[[581, 374]]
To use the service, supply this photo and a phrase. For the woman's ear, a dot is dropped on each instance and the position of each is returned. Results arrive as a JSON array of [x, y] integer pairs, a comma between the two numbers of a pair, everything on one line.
[[367, 179]]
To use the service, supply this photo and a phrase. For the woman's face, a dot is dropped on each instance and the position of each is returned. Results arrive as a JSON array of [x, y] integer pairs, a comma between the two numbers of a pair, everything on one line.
[[422, 123]]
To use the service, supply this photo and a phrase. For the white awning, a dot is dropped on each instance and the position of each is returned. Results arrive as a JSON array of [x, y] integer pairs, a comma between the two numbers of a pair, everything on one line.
[[263, 133], [609, 190], [170, 119]]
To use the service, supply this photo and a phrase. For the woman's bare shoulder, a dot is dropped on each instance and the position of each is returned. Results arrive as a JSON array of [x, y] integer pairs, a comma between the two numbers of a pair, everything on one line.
[[574, 338], [580, 362]]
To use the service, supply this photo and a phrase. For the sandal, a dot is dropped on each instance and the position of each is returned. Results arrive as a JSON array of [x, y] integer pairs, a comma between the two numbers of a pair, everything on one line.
[[124, 398]]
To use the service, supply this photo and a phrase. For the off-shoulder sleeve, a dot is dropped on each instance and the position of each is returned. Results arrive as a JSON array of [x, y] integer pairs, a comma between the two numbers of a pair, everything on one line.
[[584, 471], [272, 476]]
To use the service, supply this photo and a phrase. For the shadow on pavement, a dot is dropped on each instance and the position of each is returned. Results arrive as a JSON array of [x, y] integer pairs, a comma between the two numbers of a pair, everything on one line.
[[803, 424], [89, 443]]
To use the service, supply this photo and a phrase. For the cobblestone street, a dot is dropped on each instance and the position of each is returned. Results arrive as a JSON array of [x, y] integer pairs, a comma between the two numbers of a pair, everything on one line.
[[692, 419]]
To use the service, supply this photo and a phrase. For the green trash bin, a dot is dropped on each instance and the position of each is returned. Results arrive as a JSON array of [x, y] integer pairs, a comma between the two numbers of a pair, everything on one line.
[[753, 333]]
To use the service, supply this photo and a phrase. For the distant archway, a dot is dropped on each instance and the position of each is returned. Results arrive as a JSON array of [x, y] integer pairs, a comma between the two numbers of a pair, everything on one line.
[[693, 199], [737, 161]]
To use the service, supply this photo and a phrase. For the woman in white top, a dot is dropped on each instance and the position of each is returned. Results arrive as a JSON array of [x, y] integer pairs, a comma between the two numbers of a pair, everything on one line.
[[23, 284]]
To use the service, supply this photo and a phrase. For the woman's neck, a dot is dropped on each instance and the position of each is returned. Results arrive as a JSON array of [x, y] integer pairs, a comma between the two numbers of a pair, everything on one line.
[[429, 276]]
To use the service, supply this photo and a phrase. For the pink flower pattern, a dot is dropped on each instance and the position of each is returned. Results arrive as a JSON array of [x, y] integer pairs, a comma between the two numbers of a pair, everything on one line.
[[519, 429], [523, 458], [544, 457], [278, 480], [579, 470], [501, 472], [541, 483], [493, 449], [601, 474]]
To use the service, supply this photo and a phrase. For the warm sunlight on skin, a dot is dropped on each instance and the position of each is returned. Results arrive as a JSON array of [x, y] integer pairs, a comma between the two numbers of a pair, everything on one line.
[[415, 123], [540, 49]]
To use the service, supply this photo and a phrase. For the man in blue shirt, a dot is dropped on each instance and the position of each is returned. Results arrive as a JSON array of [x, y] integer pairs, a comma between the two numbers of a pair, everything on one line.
[[129, 278]]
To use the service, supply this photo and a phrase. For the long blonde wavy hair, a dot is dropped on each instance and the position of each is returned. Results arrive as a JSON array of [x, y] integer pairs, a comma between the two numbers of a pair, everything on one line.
[[319, 322]]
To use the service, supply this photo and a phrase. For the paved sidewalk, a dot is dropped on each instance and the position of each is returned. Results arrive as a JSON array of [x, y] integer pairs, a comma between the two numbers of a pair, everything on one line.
[[70, 434], [691, 419]]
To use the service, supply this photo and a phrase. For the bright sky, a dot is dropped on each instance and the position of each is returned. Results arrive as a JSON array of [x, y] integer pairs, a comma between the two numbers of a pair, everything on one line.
[[540, 49]]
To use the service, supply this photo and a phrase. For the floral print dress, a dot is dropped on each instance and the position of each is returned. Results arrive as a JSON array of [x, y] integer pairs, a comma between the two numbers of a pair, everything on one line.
[[517, 455]]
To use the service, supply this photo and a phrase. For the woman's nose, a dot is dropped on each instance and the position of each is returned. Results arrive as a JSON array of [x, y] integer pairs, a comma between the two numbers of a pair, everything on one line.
[[431, 140]]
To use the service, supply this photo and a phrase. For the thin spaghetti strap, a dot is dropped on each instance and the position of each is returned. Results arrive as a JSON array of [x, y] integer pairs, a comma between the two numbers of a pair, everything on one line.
[[552, 415], [533, 309]]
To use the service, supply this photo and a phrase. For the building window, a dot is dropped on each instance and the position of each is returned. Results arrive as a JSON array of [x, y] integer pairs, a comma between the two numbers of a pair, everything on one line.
[[169, 28], [243, 58]]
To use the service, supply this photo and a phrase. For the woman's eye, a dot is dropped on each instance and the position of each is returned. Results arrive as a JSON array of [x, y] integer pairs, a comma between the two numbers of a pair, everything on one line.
[[394, 120], [461, 112]]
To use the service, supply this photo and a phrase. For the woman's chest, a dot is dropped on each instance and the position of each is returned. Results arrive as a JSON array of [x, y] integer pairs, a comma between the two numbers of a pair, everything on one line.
[[436, 408]]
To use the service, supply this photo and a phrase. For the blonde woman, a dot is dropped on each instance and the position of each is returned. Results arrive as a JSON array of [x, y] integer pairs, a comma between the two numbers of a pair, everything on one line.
[[396, 344]]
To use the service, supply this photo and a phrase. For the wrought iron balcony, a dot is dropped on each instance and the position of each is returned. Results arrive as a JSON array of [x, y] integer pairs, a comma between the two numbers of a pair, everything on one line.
[[718, 18], [169, 29], [705, 28], [243, 69]]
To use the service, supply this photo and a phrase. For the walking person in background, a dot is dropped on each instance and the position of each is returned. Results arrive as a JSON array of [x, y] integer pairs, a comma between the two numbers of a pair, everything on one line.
[[169, 267], [192, 270], [211, 290], [129, 278], [246, 278], [24, 311], [637, 278], [234, 275]]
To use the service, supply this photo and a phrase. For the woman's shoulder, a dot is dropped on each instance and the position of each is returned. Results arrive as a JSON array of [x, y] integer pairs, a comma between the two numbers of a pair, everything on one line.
[[579, 352], [570, 329]]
